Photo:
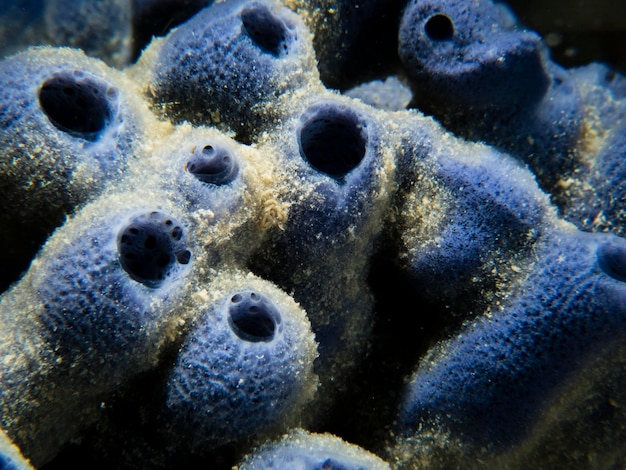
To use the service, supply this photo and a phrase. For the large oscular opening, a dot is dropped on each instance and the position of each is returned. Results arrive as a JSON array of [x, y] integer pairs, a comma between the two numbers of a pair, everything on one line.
[[77, 105], [267, 31], [332, 139]]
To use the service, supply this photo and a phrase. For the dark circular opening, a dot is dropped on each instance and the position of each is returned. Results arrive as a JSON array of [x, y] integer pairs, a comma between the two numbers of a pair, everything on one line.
[[333, 141], [612, 259], [266, 30], [150, 248], [439, 27], [212, 164], [253, 317], [78, 107]]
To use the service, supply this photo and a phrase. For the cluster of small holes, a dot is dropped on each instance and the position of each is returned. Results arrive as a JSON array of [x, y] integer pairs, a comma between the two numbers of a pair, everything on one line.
[[212, 164], [253, 317], [151, 247]]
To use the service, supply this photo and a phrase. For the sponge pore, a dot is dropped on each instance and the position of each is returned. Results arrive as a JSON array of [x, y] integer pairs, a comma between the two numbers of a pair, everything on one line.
[[151, 247], [79, 106]]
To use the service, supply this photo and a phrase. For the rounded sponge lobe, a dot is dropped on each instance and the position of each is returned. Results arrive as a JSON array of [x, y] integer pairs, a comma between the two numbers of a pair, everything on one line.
[[65, 120], [491, 383], [105, 293], [466, 54], [309, 451], [243, 370], [229, 64]]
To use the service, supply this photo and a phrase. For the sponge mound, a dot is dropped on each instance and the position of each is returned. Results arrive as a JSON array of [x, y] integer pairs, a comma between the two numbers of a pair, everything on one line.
[[244, 369], [209, 248], [230, 63], [66, 119]]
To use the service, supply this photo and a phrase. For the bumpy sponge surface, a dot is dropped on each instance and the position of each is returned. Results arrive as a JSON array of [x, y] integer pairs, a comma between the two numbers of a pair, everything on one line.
[[307, 451], [244, 369], [491, 383]]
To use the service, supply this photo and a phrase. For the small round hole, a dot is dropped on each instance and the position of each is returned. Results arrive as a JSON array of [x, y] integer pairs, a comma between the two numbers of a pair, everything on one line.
[[439, 27]]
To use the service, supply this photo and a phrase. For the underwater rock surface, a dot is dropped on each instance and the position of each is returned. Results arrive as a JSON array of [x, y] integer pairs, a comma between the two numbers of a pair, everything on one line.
[[213, 259]]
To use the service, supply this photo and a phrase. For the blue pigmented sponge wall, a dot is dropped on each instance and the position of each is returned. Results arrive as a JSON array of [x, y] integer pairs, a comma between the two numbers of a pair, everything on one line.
[[66, 120], [230, 64], [244, 368], [93, 311], [151, 329], [489, 385]]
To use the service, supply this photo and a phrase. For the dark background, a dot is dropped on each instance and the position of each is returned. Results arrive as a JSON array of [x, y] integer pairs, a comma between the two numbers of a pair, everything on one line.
[[578, 31]]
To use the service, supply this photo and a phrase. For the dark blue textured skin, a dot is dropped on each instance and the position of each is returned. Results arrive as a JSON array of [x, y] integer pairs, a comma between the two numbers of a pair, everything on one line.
[[21, 77], [492, 214], [490, 82], [490, 383], [210, 64], [322, 227], [93, 312], [467, 68], [224, 388], [36, 150]]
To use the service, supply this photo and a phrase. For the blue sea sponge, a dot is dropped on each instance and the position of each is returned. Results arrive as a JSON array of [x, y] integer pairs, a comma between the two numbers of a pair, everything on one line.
[[487, 80], [483, 215], [470, 55], [104, 284], [390, 94], [101, 28], [65, 120], [603, 90], [488, 386], [229, 65], [224, 188], [603, 210], [244, 369], [307, 451], [212, 165], [208, 170], [330, 155], [93, 310]]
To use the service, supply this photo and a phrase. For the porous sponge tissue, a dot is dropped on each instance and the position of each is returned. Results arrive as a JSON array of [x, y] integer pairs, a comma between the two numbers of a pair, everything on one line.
[[256, 236]]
